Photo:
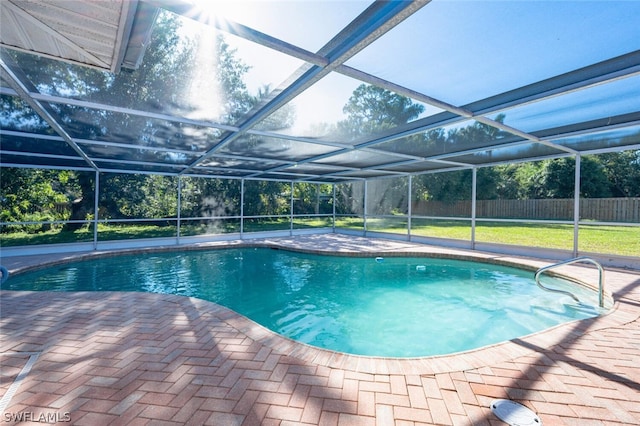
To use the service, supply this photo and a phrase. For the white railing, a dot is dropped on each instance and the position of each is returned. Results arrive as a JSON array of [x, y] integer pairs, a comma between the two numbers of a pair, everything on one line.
[[568, 262]]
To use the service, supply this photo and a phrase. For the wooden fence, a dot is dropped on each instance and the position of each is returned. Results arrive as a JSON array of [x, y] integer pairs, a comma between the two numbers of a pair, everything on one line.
[[625, 210]]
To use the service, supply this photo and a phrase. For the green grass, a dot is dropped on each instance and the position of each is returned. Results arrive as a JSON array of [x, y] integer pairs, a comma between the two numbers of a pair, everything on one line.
[[131, 231], [350, 222], [54, 236], [106, 232], [531, 235], [266, 224], [221, 226], [618, 240], [456, 229], [312, 222], [623, 240]]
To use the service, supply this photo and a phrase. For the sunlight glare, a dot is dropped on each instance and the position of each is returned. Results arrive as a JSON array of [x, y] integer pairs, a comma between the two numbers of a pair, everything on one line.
[[204, 94], [223, 9]]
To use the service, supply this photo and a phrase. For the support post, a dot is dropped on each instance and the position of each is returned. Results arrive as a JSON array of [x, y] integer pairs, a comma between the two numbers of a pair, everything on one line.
[[96, 199], [179, 210], [241, 208], [291, 211], [474, 193], [576, 206], [409, 207], [334, 208], [364, 210]]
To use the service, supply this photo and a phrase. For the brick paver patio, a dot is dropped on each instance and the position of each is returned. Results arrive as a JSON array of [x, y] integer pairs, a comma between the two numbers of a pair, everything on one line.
[[151, 359]]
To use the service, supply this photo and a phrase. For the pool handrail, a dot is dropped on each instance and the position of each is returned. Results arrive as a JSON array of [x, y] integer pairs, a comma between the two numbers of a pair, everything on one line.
[[568, 262]]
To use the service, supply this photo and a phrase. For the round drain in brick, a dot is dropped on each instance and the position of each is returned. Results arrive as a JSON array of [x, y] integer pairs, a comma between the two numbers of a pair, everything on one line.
[[514, 414]]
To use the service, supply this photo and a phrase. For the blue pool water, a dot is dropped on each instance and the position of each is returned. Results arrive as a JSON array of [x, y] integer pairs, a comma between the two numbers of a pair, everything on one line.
[[395, 307]]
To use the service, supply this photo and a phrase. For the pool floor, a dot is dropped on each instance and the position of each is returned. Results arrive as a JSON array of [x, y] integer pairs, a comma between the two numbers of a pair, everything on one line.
[[138, 358]]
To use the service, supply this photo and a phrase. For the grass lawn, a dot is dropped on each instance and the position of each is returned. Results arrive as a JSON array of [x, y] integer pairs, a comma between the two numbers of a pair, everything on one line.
[[456, 229], [619, 240], [106, 232], [523, 234], [54, 236], [624, 240]]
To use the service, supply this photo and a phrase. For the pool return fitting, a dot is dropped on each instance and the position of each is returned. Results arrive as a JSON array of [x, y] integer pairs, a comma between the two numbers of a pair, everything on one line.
[[4, 274], [568, 262]]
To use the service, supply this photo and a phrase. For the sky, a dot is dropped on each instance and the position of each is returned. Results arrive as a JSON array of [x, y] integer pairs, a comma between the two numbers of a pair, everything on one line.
[[457, 51]]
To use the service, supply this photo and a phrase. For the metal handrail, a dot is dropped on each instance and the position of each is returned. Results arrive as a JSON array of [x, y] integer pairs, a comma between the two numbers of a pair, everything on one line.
[[568, 262]]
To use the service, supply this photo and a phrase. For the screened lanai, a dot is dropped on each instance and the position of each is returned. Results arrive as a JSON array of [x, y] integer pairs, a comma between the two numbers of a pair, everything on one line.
[[398, 118]]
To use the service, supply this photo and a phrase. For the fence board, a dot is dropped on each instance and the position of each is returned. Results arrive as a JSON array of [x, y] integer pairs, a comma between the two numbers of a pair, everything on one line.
[[626, 210]]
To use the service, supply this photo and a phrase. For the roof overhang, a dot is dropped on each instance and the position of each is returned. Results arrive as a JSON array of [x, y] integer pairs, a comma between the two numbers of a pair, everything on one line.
[[104, 35]]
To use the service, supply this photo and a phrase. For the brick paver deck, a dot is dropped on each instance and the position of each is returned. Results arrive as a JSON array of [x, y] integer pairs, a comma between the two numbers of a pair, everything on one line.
[[149, 359]]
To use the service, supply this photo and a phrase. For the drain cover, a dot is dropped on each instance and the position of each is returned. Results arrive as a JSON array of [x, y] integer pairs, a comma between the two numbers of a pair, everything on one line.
[[514, 414]]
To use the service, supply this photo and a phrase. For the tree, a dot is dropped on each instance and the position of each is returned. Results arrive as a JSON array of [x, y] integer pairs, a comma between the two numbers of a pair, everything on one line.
[[623, 172], [15, 114], [206, 197], [446, 186], [349, 197], [557, 178], [476, 134], [161, 83], [230, 73], [371, 109], [82, 205], [120, 194], [455, 186], [263, 197], [31, 195], [311, 198]]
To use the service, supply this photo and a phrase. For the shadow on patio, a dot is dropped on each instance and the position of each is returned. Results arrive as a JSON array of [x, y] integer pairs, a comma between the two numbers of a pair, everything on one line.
[[125, 358], [580, 380]]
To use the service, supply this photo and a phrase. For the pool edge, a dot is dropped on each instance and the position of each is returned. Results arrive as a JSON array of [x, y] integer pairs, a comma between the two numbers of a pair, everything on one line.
[[429, 365]]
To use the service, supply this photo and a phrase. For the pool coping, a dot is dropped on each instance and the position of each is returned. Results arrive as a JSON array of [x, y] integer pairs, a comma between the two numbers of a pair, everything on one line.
[[619, 315]]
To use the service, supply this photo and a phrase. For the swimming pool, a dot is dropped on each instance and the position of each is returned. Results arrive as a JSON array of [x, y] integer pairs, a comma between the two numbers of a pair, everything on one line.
[[394, 307]]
